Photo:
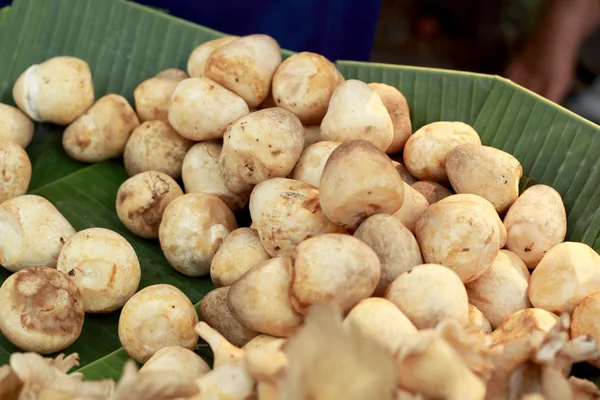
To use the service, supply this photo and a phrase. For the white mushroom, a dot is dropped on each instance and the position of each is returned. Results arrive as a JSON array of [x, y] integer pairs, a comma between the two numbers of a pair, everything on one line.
[[177, 359], [153, 96], [532, 323], [309, 167], [15, 170], [476, 318], [413, 205], [397, 106], [15, 126], [197, 61]]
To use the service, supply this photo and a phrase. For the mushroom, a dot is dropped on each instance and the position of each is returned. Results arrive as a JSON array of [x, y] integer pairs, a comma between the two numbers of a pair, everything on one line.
[[403, 172], [429, 293], [229, 381], [477, 319], [395, 246], [426, 150], [351, 191], [502, 289], [304, 83], [245, 66], [15, 126], [58, 90], [192, 229], [536, 222], [567, 273], [201, 173], [397, 106], [260, 299], [153, 96], [309, 167], [142, 199], [382, 321], [485, 171], [333, 268], [155, 146], [312, 134], [104, 267], [285, 213], [356, 112], [32, 233], [223, 351], [460, 235], [531, 323], [585, 319], [201, 109], [216, 313], [432, 191], [413, 205], [263, 340], [176, 359], [155, 317], [240, 251], [42, 310], [16, 170], [197, 60], [101, 133]]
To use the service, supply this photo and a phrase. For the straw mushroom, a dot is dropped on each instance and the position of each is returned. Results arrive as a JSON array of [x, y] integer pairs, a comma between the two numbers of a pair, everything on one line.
[[197, 60], [229, 381], [351, 191], [396, 248], [42, 310], [429, 293], [177, 359], [240, 251], [567, 273], [155, 317], [32, 233], [432, 191], [101, 133], [585, 319], [413, 205], [245, 66], [403, 172], [356, 112], [142, 199], [192, 229], [104, 267], [153, 96], [58, 90], [532, 323], [397, 106], [309, 167], [476, 318], [15, 126], [312, 134], [201, 173], [15, 170], [155, 146]]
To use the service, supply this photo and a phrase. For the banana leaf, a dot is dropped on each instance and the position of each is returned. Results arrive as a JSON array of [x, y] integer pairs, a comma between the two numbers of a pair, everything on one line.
[[125, 43]]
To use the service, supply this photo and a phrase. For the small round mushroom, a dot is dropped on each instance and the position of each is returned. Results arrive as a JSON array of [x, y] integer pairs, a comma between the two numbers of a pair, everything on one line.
[[352, 190], [585, 319], [201, 173], [334, 268], [309, 167], [260, 299], [432, 191], [397, 106], [201, 109], [32, 233], [58, 90], [502, 289], [240, 251], [179, 360], [155, 146], [428, 294], [155, 317], [403, 172], [382, 321], [536, 222], [304, 83], [192, 229], [245, 66], [153, 96], [41, 310], [197, 60], [567, 273], [15, 126], [101, 133], [215, 312], [393, 243], [533, 323], [413, 205], [462, 236], [285, 213], [356, 112], [15, 170], [426, 150], [312, 134], [104, 267], [262, 145], [476, 318], [142, 199], [263, 340]]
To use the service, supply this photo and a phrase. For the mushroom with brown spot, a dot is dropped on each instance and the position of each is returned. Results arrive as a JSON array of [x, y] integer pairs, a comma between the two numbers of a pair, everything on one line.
[[152, 97], [432, 191], [397, 106], [309, 167], [197, 60]]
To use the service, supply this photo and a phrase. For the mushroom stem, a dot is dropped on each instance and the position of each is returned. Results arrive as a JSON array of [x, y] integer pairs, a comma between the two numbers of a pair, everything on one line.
[[223, 350]]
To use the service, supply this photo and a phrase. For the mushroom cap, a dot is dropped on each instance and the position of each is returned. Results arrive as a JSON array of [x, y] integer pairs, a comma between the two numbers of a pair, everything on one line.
[[142, 199], [152, 98], [413, 205], [309, 167], [15, 126], [432, 191], [16, 169], [177, 359], [41, 310], [476, 318], [262, 340], [197, 60], [396, 105], [104, 267], [585, 319], [530, 322], [155, 317]]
